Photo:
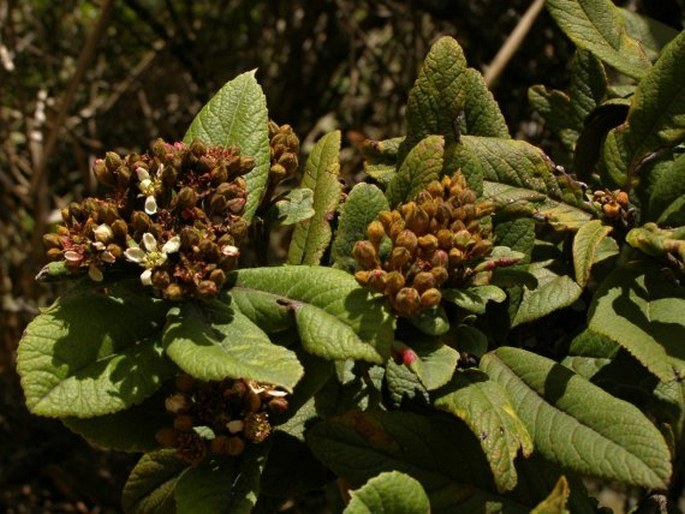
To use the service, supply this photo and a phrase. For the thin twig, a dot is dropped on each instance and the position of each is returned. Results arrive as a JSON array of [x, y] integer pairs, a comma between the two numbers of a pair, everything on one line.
[[495, 68], [38, 180]]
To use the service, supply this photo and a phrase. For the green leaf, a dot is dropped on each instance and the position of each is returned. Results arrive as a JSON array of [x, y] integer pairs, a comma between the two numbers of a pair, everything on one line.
[[517, 234], [642, 310], [652, 34], [221, 486], [475, 299], [92, 354], [577, 424], [361, 207], [485, 407], [296, 206], [555, 108], [597, 26], [667, 192], [131, 430], [435, 364], [150, 486], [656, 118], [336, 319], [514, 163], [522, 201], [555, 290], [311, 237], [482, 116], [555, 503], [359, 445], [585, 244], [433, 322], [403, 384], [381, 173], [421, 166], [382, 152], [215, 341], [438, 95], [390, 493], [237, 115]]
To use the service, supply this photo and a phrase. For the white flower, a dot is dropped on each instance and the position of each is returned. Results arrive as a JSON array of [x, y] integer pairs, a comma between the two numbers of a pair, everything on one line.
[[103, 233], [148, 186], [151, 257]]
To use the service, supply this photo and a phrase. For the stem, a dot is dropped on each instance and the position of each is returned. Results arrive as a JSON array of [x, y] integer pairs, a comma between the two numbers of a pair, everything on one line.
[[496, 67]]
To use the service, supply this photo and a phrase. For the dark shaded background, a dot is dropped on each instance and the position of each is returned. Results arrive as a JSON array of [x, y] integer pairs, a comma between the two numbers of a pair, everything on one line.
[[323, 64]]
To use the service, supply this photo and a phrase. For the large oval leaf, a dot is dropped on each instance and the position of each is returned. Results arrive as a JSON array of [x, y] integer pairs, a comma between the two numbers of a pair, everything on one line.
[[92, 354], [237, 115], [656, 118], [422, 165], [577, 424], [361, 207], [642, 311], [585, 245], [311, 236], [597, 26], [150, 486], [336, 319], [390, 493], [485, 407], [437, 451], [215, 341]]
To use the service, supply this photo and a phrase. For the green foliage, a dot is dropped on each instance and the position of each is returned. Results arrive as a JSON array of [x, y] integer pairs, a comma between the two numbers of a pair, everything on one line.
[[435, 409]]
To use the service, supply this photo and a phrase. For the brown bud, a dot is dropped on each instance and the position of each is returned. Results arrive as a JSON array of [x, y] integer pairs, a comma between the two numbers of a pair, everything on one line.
[[394, 282], [407, 239], [183, 423], [277, 172], [622, 198], [123, 176], [365, 254], [178, 403], [377, 280], [435, 189], [166, 437], [54, 254], [102, 174], [398, 258], [252, 401], [428, 243], [396, 227], [168, 176], [440, 275], [375, 232], [219, 175], [173, 292], [246, 163], [219, 445], [430, 298], [52, 241], [362, 277], [217, 204], [112, 161], [187, 198], [456, 257], [140, 221], [218, 277], [407, 300], [423, 280], [236, 205], [611, 210], [185, 383], [207, 289], [462, 239], [160, 279], [189, 238], [445, 238], [445, 213], [480, 249], [119, 229], [277, 405], [235, 446], [197, 148], [386, 219]]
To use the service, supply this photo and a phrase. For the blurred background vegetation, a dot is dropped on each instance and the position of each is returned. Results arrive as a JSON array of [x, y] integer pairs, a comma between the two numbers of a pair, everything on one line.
[[79, 77]]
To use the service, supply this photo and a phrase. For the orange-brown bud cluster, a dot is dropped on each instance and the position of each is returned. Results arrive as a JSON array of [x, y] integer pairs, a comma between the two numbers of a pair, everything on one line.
[[173, 213], [285, 147], [613, 204], [235, 411], [436, 241]]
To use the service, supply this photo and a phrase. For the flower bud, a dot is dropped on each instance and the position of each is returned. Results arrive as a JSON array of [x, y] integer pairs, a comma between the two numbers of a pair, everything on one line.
[[173, 292], [428, 243], [103, 233], [622, 199], [183, 423], [445, 238], [277, 405], [440, 275], [112, 161], [207, 289], [362, 277], [398, 258], [430, 298], [365, 254], [407, 239], [235, 446], [407, 300], [219, 175], [187, 198], [140, 221], [119, 230], [423, 281], [394, 282], [178, 403], [611, 210], [52, 241], [377, 280], [375, 232]]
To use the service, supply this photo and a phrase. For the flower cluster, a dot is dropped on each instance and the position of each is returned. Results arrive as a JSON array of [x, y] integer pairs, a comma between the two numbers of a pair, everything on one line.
[[219, 418], [441, 240], [174, 211], [285, 146], [613, 204]]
